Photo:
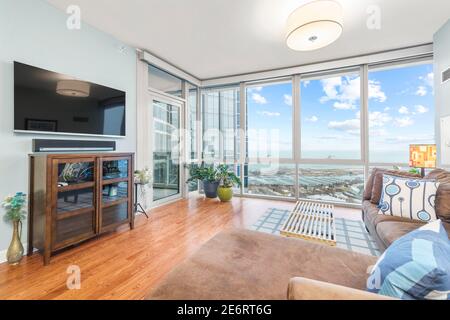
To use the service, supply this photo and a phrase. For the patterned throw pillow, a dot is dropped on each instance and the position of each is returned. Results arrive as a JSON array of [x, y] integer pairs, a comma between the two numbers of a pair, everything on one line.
[[407, 198], [415, 267]]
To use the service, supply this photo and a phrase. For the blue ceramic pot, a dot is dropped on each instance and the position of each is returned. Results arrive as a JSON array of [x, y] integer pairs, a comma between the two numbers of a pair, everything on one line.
[[210, 188]]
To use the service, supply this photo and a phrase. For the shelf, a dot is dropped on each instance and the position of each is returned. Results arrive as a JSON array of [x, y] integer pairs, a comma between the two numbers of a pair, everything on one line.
[[76, 186], [70, 214], [114, 203], [116, 180]]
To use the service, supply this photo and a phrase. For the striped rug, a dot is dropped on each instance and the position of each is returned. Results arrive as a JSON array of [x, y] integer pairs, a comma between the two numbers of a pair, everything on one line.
[[350, 234]]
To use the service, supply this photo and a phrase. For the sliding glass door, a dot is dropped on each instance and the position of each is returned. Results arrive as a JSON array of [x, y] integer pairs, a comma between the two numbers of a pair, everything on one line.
[[166, 149]]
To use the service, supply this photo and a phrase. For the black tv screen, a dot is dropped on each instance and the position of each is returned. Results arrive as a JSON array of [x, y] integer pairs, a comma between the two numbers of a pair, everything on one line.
[[46, 101]]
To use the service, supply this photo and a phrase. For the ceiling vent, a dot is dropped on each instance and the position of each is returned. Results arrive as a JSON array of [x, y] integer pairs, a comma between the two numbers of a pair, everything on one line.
[[446, 75]]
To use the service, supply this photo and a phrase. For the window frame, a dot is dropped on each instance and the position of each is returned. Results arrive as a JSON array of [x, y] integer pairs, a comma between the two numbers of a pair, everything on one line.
[[363, 68], [390, 65]]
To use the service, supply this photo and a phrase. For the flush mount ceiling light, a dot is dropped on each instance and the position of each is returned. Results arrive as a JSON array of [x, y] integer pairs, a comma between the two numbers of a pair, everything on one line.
[[314, 25], [73, 88]]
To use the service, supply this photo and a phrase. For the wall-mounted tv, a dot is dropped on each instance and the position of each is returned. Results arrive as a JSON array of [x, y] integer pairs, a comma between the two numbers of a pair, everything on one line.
[[50, 102]]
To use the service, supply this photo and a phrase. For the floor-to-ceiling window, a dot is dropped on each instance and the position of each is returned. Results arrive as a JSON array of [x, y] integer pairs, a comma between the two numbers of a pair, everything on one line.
[[166, 146], [332, 167], [313, 136], [401, 111], [270, 170], [220, 118]]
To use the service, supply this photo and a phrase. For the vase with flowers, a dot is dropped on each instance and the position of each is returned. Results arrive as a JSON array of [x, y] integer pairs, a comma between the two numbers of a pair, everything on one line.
[[15, 213]]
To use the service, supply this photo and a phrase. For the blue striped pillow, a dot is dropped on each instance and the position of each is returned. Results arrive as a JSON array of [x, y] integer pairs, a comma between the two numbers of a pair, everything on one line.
[[416, 266]]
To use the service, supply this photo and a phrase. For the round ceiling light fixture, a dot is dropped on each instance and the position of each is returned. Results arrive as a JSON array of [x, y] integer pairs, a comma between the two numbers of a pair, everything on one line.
[[314, 25], [73, 88]]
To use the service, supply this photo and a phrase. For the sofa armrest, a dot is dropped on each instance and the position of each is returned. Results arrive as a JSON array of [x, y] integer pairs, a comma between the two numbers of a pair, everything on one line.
[[307, 289]]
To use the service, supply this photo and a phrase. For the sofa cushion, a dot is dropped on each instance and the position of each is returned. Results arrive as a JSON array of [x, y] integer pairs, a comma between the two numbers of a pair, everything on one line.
[[416, 266], [369, 185], [443, 194], [378, 182], [371, 212], [440, 175], [390, 231], [409, 198], [248, 265], [443, 202]]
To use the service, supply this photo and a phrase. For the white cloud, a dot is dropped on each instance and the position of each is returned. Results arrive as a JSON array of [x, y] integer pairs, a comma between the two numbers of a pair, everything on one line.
[[421, 91], [312, 119], [259, 99], [346, 92], [255, 89], [350, 126], [269, 114], [403, 110], [387, 109], [344, 106], [403, 122], [288, 99], [306, 83], [378, 119], [375, 91], [421, 109], [428, 79]]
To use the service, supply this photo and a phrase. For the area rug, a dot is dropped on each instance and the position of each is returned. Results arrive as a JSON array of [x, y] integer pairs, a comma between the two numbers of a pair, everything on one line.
[[350, 234]]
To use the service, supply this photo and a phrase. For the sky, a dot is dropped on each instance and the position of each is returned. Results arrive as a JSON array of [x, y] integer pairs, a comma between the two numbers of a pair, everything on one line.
[[401, 112]]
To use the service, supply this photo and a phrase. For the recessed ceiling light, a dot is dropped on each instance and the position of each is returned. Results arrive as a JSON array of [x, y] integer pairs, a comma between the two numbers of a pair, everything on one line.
[[314, 25]]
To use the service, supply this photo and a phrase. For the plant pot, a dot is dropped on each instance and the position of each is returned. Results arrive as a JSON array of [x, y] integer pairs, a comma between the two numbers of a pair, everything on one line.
[[210, 189], [15, 251], [225, 194]]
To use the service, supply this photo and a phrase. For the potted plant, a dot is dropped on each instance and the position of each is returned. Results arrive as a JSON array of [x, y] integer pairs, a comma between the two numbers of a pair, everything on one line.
[[142, 178], [208, 176], [15, 212], [228, 179]]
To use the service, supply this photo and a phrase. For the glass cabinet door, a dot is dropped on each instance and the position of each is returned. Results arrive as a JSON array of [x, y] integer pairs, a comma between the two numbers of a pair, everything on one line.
[[115, 169], [75, 199], [116, 192]]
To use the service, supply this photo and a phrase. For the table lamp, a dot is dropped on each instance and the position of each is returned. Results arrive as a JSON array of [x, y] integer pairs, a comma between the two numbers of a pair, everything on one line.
[[422, 156]]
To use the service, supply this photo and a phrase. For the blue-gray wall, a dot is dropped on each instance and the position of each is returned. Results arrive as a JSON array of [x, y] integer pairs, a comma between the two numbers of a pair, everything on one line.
[[35, 33], [442, 90]]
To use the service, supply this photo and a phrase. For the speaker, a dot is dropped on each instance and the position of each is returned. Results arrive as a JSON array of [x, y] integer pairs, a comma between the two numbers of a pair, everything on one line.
[[44, 145]]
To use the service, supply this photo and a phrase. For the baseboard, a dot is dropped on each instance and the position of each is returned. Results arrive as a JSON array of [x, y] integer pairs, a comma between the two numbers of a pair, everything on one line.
[[3, 253]]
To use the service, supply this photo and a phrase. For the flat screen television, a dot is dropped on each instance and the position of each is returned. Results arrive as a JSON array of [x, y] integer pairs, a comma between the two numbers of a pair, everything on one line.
[[46, 101]]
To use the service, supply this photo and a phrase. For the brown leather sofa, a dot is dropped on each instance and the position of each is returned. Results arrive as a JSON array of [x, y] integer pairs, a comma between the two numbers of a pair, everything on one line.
[[386, 229]]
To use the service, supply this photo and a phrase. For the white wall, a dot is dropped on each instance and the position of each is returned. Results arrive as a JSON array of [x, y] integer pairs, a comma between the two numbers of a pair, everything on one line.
[[35, 33], [442, 90]]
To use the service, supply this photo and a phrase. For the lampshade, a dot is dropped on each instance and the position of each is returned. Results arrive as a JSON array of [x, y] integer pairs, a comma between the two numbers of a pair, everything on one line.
[[73, 88], [422, 156], [314, 25]]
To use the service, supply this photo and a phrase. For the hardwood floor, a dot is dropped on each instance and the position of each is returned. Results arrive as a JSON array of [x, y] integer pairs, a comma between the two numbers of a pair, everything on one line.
[[128, 264]]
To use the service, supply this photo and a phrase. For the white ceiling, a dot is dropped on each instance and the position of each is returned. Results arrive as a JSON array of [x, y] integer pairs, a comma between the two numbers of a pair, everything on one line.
[[214, 38]]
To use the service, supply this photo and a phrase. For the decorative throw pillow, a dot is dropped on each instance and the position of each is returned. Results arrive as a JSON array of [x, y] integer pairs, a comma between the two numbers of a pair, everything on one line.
[[377, 184], [415, 267], [413, 199]]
